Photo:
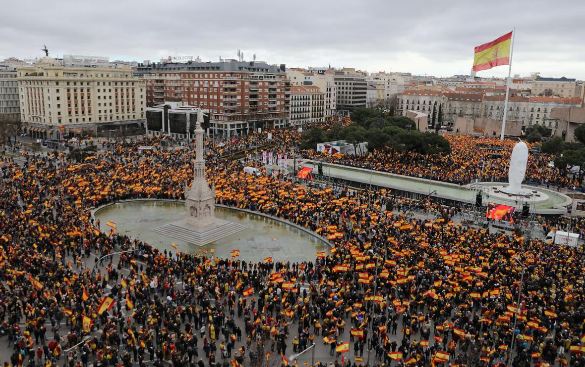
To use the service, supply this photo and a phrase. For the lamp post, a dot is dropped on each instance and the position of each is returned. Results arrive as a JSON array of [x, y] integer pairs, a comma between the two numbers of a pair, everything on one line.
[[108, 255], [293, 357], [375, 291], [518, 310]]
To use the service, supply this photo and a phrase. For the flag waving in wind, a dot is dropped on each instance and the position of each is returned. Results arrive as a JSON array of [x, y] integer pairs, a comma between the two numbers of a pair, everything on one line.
[[492, 54]]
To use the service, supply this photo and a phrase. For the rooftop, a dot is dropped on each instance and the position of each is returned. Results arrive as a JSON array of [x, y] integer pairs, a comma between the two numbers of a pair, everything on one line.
[[228, 65], [304, 89], [561, 79]]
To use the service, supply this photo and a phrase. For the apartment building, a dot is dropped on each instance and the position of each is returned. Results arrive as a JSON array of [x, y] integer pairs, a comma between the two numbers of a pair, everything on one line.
[[323, 79], [307, 105], [241, 96], [58, 100], [560, 87], [9, 106], [383, 87], [351, 89], [444, 107]]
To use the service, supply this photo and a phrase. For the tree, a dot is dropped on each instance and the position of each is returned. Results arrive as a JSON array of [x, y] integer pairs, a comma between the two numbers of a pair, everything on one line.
[[312, 137], [552, 146], [402, 122], [580, 134], [377, 139], [538, 130], [570, 158], [534, 137], [354, 134]]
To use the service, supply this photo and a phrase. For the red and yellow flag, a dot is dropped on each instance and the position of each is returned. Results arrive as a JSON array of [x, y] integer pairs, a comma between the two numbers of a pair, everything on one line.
[[248, 292], [106, 304], [129, 303], [35, 282], [492, 54], [84, 295], [87, 323], [395, 356], [342, 348]]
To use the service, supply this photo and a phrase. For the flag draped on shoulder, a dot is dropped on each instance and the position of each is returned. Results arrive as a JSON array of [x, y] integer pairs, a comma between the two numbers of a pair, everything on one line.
[[492, 54]]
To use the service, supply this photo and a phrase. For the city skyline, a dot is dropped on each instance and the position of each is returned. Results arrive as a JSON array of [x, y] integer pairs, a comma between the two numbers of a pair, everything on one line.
[[418, 37]]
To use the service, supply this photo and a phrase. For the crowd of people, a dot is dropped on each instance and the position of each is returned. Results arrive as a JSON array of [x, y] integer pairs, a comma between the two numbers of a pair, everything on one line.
[[471, 158], [392, 291]]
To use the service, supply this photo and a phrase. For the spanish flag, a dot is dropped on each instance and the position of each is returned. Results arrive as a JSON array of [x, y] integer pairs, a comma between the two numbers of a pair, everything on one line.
[[268, 260], [87, 324], [35, 282], [342, 348], [235, 253], [410, 360], [84, 295], [248, 292], [492, 54], [441, 357], [340, 268], [129, 303], [106, 304], [288, 285], [395, 356]]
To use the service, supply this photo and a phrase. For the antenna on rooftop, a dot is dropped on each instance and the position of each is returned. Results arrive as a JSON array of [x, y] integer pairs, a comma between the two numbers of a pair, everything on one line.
[[45, 50], [254, 57]]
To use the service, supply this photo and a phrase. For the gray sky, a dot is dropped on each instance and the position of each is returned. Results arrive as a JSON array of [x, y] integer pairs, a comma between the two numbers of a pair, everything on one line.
[[419, 36]]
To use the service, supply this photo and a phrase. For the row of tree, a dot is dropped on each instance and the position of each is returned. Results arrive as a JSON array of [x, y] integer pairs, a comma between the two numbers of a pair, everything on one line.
[[567, 154], [380, 130]]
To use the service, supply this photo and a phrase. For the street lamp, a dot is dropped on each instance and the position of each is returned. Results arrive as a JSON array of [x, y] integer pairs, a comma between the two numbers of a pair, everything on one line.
[[108, 255], [293, 357], [376, 289]]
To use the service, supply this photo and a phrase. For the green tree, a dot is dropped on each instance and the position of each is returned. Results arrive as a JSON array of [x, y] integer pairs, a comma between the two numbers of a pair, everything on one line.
[[553, 146], [570, 158], [402, 122], [312, 137], [377, 139], [534, 137], [580, 134], [354, 134]]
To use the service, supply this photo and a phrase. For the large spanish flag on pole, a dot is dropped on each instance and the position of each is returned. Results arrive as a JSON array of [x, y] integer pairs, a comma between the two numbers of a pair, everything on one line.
[[494, 53]]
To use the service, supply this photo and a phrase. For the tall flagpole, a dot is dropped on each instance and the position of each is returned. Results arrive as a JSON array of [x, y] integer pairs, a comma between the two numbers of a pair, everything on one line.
[[508, 82]]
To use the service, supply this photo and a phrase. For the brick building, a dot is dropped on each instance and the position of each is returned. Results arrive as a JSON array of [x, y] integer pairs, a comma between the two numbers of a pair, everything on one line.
[[240, 95]]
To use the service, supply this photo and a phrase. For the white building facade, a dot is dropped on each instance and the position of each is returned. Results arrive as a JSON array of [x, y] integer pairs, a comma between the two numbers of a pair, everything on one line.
[[79, 98], [307, 106]]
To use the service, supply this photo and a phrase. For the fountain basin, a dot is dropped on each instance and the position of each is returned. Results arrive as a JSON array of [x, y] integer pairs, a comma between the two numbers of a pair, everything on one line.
[[262, 237]]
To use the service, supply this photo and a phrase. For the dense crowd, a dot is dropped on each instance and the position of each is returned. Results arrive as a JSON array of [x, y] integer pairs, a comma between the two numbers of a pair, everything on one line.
[[471, 158], [399, 291]]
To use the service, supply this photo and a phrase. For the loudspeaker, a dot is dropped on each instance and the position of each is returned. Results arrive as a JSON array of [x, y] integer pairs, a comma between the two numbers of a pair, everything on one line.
[[478, 199]]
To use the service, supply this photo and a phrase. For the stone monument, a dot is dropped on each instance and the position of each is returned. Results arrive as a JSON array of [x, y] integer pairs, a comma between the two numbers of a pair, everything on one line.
[[200, 226], [200, 199], [517, 170]]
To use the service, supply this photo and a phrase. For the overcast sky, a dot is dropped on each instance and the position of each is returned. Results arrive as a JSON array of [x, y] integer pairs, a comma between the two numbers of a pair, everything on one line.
[[418, 36]]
